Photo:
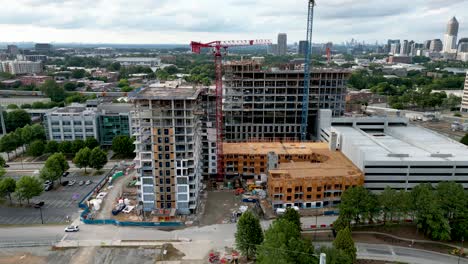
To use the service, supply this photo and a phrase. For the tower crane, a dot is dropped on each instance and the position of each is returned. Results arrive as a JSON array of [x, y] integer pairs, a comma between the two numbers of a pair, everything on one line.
[[220, 47], [307, 62]]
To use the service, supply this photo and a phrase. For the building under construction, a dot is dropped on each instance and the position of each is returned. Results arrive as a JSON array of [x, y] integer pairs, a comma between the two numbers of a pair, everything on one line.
[[264, 104], [306, 175]]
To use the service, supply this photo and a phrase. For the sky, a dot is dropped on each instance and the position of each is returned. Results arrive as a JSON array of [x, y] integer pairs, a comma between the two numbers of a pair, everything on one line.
[[181, 21]]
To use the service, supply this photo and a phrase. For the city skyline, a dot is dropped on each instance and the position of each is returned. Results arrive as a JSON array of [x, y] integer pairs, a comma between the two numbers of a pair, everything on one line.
[[164, 22]]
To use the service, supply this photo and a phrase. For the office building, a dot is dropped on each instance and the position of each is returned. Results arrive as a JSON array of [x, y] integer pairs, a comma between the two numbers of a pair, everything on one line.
[[12, 50], [43, 47], [399, 59], [70, 123], [306, 175], [464, 103], [35, 58], [266, 104], [138, 61], [272, 49], [113, 120], [404, 50], [462, 45], [302, 47], [20, 67], [166, 123], [282, 44], [450, 37], [393, 153], [427, 44], [436, 45], [395, 48]]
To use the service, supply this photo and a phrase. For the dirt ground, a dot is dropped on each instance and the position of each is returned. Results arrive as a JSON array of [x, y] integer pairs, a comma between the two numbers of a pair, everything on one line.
[[219, 207], [441, 127]]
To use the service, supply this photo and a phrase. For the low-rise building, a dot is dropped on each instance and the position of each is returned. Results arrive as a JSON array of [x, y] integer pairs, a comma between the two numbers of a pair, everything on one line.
[[302, 174], [393, 153], [34, 79], [70, 123], [138, 61]]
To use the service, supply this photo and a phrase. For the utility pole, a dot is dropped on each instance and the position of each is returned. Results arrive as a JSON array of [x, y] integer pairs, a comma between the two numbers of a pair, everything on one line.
[[323, 258]]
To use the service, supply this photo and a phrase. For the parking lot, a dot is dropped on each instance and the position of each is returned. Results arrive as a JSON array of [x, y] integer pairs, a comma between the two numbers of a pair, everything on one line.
[[59, 203]]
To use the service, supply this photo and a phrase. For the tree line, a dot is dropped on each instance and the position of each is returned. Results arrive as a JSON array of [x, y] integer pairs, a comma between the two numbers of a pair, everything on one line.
[[440, 212], [282, 242], [21, 137]]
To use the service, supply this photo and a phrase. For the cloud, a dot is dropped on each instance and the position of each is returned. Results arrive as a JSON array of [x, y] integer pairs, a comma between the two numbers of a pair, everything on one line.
[[164, 21]]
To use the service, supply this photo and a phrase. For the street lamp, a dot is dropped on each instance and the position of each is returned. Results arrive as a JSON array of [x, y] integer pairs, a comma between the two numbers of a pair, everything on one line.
[[39, 206]]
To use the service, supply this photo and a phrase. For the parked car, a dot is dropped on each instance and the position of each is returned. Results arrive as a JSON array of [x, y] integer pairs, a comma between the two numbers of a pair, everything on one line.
[[65, 183], [6, 166], [88, 182], [71, 183], [48, 187], [80, 183], [65, 174], [47, 182], [39, 204], [101, 195], [72, 229], [118, 209]]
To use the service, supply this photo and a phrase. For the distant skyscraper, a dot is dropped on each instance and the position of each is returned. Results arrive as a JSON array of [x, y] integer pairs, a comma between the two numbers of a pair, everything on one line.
[[450, 38], [389, 44], [462, 45], [302, 47], [436, 45], [427, 44], [404, 48], [282, 44], [43, 47], [12, 50], [272, 49], [395, 48]]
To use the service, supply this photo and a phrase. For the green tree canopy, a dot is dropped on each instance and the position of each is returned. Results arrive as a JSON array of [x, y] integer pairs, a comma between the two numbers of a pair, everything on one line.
[[249, 234], [28, 187], [36, 148], [345, 242], [292, 216], [282, 244], [91, 143], [52, 146], [97, 159], [123, 145], [12, 106], [65, 147], [7, 187], [2, 161], [57, 163], [336, 256], [82, 158], [16, 119], [77, 144], [464, 139], [52, 90]]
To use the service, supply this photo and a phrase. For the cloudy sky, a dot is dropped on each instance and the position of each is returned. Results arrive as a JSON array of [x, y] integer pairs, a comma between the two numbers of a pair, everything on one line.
[[180, 21]]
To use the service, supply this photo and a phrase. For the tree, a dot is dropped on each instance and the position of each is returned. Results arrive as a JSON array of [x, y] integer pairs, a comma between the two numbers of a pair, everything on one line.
[[464, 139], [57, 163], [283, 244], [77, 144], [36, 148], [91, 143], [8, 143], [82, 158], [453, 202], [358, 203], [78, 74], [65, 147], [28, 187], [97, 159], [345, 242], [249, 234], [292, 216], [12, 106], [52, 90], [123, 83], [16, 119], [122, 145], [7, 187], [336, 256], [69, 86], [47, 174], [2, 162], [51, 147], [388, 203]]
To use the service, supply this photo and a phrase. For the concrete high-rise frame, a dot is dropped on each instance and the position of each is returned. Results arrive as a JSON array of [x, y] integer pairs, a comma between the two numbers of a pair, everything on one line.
[[267, 103], [167, 126]]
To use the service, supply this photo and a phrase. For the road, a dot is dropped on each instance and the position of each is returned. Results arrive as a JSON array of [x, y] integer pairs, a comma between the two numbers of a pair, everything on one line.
[[215, 236], [32, 166]]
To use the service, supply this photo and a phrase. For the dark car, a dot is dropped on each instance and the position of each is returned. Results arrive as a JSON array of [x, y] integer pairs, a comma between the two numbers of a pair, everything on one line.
[[65, 174], [6, 166], [39, 204], [118, 209], [48, 187], [65, 183]]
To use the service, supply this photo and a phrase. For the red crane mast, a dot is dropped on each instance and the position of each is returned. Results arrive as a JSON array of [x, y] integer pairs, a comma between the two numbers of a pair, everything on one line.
[[218, 48]]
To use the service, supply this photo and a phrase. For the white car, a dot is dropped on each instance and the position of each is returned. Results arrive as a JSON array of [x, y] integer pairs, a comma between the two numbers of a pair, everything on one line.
[[88, 182], [71, 183], [72, 229], [101, 195]]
